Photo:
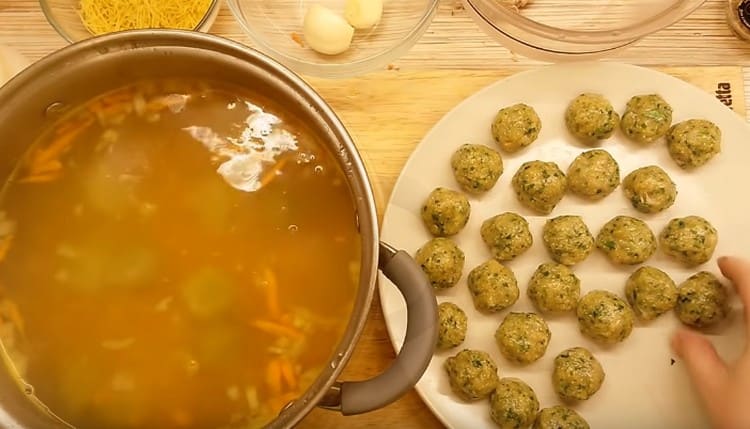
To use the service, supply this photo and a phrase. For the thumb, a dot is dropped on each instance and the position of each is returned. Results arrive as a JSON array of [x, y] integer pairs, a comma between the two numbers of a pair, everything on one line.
[[706, 369]]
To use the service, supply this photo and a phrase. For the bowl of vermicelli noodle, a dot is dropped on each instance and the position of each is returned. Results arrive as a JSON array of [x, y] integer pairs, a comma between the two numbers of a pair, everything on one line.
[[77, 20]]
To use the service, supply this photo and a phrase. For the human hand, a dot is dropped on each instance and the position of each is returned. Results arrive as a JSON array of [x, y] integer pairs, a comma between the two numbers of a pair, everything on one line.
[[724, 388]]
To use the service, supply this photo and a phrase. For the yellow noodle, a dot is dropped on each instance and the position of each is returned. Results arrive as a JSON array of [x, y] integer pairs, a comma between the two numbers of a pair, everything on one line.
[[106, 16]]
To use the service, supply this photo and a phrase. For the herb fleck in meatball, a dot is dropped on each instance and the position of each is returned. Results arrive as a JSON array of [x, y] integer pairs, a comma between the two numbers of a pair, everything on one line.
[[567, 239], [626, 240], [702, 300], [693, 143], [650, 189], [523, 337], [442, 261], [513, 404], [539, 185], [507, 235], [591, 118], [593, 174], [559, 417], [554, 288], [472, 374], [690, 240], [646, 118], [476, 168], [445, 212], [516, 127], [493, 286], [577, 374], [650, 292], [604, 317], [452, 322]]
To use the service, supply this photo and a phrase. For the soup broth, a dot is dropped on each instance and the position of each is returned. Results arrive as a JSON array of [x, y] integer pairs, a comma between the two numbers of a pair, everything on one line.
[[174, 254]]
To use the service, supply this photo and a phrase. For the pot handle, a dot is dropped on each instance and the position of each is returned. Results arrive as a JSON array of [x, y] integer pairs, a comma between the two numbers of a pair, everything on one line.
[[419, 343]]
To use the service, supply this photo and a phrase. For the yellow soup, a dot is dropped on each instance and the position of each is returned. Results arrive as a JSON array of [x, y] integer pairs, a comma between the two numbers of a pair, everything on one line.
[[174, 255]]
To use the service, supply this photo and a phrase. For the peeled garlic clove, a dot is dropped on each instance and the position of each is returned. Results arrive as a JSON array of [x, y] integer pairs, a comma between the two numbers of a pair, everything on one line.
[[325, 31], [363, 14]]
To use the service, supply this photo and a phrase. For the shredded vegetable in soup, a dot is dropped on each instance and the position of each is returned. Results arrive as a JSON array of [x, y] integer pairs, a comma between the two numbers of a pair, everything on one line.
[[175, 254]]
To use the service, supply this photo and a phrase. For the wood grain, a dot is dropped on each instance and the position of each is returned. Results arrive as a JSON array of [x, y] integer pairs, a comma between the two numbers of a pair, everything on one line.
[[388, 112]]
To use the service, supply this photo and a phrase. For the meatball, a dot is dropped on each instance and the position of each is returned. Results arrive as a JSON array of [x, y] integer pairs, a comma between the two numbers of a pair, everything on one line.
[[693, 143], [445, 212], [539, 185], [593, 174], [604, 317], [650, 292], [591, 118], [567, 239], [507, 235], [516, 127], [442, 261], [513, 404], [702, 300], [554, 288], [690, 240], [650, 189], [452, 322], [523, 337], [476, 168], [493, 286], [577, 374], [472, 374], [559, 417], [646, 118], [626, 240]]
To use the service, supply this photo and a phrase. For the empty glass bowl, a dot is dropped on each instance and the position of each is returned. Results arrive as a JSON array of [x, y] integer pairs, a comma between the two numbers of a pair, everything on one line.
[[565, 30], [275, 28], [63, 15]]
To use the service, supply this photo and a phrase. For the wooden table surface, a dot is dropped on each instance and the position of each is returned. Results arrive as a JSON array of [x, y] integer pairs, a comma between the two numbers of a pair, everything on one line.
[[469, 60]]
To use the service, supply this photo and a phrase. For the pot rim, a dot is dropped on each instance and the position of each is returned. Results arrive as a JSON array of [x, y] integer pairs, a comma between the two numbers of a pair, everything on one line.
[[59, 64]]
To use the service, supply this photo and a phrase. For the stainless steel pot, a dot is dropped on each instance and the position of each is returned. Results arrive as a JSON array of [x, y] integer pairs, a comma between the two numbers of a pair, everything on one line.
[[81, 71]]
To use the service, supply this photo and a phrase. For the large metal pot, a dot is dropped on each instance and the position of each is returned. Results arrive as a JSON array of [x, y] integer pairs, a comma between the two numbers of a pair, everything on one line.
[[73, 75]]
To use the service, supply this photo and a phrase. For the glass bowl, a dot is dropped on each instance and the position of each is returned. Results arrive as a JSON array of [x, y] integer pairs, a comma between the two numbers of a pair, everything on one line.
[[63, 16], [569, 30], [275, 28]]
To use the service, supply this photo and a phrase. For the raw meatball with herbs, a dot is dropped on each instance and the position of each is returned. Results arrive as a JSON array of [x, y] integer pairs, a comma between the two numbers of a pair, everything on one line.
[[604, 317], [591, 118], [539, 185], [472, 374], [559, 417], [650, 189], [646, 118], [513, 404], [445, 212], [593, 174], [523, 337], [516, 127], [694, 142], [626, 240], [650, 292], [507, 235], [476, 168], [567, 239], [452, 325], [493, 286], [442, 260], [690, 240], [554, 288], [702, 300], [577, 374]]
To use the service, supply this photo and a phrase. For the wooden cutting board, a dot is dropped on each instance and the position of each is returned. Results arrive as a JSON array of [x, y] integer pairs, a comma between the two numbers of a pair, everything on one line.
[[387, 114]]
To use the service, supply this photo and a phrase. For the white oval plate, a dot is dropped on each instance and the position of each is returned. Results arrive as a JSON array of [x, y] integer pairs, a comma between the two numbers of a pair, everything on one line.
[[643, 387]]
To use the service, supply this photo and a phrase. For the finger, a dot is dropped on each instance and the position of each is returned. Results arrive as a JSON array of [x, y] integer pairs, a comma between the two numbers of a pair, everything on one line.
[[707, 371], [737, 270]]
